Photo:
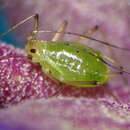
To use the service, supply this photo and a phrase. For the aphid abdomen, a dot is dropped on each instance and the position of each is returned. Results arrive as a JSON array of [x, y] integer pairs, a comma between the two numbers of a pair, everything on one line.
[[69, 62]]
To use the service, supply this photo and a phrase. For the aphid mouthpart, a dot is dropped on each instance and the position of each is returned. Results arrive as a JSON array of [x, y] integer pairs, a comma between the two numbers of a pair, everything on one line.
[[29, 57]]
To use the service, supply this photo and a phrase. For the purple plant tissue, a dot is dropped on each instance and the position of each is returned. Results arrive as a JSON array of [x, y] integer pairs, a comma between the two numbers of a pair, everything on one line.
[[26, 93]]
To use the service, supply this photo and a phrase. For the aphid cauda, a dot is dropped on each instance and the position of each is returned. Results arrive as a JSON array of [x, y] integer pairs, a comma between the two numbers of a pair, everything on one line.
[[70, 63]]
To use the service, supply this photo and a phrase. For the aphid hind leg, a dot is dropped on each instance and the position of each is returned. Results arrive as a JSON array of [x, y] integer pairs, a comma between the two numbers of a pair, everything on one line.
[[109, 93], [61, 29], [112, 59]]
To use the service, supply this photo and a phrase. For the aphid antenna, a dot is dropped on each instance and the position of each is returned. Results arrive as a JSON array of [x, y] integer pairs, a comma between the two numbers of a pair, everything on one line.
[[35, 16], [87, 37]]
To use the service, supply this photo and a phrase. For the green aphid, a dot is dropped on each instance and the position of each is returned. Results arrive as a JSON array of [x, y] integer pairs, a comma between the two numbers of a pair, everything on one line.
[[70, 63]]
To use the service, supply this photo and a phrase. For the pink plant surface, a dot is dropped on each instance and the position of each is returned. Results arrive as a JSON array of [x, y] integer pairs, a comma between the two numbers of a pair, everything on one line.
[[66, 114], [72, 108]]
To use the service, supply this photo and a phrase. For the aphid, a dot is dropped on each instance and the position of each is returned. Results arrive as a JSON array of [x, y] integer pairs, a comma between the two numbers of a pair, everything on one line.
[[70, 63]]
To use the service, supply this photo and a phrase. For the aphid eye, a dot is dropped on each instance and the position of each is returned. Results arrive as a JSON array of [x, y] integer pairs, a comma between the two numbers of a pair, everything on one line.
[[33, 50]]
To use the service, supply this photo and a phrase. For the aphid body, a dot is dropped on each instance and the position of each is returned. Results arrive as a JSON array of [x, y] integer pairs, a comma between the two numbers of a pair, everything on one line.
[[71, 63]]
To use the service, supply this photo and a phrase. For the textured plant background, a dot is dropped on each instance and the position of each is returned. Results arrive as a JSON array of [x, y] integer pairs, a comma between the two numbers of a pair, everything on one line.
[[20, 79]]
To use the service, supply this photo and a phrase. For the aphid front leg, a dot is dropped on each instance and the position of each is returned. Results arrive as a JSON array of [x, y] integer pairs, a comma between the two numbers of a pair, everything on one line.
[[60, 30]]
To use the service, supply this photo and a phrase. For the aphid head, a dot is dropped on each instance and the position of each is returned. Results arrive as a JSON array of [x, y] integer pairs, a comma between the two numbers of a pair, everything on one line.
[[31, 48], [32, 45]]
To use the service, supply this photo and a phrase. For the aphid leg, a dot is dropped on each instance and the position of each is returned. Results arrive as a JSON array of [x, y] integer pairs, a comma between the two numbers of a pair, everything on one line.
[[89, 33], [36, 22], [83, 82], [35, 16], [112, 74], [109, 93], [33, 36], [60, 30], [111, 60]]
